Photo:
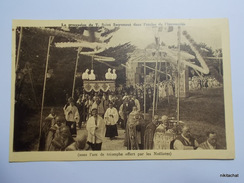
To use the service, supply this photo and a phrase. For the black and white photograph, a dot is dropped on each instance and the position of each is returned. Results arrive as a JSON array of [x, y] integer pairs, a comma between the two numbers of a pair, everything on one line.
[[121, 90]]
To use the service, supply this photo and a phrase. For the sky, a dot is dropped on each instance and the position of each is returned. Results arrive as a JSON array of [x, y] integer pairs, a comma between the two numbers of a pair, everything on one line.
[[143, 36]]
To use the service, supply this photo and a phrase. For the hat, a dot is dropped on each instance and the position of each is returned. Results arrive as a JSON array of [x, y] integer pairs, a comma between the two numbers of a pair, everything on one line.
[[94, 108], [164, 118], [71, 99], [155, 117]]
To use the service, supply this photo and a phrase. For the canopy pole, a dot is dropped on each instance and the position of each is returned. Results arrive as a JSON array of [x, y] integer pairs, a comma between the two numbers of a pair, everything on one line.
[[154, 87], [166, 72], [44, 87], [18, 51], [158, 80], [178, 76], [144, 89]]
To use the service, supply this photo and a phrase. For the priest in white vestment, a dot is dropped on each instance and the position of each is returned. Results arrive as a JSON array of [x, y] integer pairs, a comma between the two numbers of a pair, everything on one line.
[[96, 130], [111, 117]]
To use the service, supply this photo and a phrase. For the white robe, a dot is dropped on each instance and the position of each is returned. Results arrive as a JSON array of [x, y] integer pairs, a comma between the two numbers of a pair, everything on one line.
[[96, 133], [72, 114], [111, 116], [162, 138]]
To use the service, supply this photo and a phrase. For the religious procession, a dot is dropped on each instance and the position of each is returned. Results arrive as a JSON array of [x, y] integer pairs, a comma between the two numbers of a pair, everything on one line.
[[98, 93], [98, 115]]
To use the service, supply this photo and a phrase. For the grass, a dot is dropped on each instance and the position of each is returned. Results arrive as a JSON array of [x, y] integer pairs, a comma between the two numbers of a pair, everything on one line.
[[203, 111]]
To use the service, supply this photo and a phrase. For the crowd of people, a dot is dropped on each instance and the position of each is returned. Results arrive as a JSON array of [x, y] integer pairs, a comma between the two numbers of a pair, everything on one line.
[[101, 114], [197, 82], [166, 88]]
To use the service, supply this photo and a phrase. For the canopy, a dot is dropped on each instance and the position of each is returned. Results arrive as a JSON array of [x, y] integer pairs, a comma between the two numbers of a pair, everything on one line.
[[99, 85]]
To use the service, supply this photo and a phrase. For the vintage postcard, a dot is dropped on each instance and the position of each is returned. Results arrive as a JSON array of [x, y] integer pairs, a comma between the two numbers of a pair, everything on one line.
[[121, 90]]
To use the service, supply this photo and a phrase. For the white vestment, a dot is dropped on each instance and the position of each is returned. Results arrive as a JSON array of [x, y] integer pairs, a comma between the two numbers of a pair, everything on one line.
[[96, 132], [111, 116], [72, 114]]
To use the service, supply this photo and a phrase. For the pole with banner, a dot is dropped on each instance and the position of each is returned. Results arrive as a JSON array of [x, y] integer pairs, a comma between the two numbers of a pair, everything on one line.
[[44, 87]]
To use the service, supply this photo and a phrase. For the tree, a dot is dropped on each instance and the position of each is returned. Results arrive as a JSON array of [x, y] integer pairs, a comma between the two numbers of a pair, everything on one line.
[[210, 58]]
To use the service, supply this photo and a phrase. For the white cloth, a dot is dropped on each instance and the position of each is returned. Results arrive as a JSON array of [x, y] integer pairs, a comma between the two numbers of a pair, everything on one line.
[[72, 114], [96, 132], [111, 116]]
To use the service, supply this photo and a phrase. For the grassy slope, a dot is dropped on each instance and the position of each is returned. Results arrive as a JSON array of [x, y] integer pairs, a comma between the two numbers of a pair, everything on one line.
[[203, 110]]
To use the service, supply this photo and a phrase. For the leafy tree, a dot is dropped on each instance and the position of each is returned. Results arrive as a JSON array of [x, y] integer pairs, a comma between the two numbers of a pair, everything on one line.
[[209, 56], [31, 69]]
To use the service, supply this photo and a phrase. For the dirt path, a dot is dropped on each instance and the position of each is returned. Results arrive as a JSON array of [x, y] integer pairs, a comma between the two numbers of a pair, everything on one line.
[[115, 144]]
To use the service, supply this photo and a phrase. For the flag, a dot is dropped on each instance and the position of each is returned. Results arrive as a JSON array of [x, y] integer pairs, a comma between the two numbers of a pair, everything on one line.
[[165, 29]]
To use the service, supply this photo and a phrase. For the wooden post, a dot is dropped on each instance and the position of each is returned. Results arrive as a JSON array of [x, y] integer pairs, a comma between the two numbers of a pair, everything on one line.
[[18, 51], [166, 76], [76, 65], [178, 76], [158, 79], [44, 87], [144, 88], [155, 82]]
